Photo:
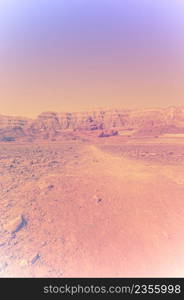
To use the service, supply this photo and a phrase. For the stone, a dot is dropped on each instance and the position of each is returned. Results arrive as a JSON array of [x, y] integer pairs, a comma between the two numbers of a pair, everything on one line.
[[16, 224], [35, 258]]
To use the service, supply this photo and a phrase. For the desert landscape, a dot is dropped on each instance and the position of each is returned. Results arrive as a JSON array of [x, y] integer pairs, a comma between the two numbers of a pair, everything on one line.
[[92, 194]]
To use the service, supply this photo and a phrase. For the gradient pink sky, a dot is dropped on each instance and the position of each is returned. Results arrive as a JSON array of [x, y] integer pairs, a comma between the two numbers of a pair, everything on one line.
[[71, 55]]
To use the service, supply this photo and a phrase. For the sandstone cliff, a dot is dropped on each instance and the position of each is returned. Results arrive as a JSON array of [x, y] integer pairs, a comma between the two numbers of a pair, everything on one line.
[[49, 125]]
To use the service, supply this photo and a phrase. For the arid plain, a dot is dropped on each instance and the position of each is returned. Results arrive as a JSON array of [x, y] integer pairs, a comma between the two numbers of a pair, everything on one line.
[[92, 203]]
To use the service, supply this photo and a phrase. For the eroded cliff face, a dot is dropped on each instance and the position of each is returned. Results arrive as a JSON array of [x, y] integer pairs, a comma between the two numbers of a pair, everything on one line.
[[139, 122]]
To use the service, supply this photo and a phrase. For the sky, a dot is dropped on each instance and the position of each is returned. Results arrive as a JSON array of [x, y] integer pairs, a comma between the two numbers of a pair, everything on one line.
[[74, 55]]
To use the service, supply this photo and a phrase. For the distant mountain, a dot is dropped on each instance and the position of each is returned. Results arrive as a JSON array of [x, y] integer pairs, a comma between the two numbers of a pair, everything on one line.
[[52, 125]]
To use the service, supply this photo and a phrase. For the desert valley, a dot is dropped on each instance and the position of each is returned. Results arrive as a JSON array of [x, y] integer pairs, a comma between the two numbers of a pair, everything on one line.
[[92, 194]]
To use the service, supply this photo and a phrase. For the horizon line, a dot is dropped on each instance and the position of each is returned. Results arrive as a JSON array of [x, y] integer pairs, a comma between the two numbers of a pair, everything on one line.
[[95, 109]]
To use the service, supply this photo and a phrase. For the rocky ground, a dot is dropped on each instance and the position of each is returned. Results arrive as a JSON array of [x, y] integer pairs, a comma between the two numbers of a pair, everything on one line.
[[92, 209]]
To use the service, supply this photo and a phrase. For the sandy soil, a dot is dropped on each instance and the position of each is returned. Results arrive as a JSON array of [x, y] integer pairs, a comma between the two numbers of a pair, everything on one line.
[[97, 210]]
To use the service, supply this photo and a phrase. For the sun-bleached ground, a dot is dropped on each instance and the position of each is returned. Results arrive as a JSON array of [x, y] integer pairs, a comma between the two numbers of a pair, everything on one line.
[[92, 209]]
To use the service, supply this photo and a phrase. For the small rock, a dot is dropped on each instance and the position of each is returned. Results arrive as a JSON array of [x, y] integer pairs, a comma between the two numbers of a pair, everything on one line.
[[35, 258], [16, 224], [97, 199], [51, 186]]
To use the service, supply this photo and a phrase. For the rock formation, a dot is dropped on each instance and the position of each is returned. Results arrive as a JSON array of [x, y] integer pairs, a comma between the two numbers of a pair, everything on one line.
[[51, 125]]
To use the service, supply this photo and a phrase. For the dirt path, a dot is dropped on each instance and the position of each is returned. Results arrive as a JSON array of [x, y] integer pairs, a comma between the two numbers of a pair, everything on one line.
[[127, 168], [121, 167]]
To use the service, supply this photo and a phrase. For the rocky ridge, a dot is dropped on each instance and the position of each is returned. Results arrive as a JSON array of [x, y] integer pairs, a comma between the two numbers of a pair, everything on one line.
[[53, 125]]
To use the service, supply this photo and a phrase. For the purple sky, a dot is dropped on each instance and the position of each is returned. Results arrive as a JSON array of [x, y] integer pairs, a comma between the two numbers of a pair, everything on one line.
[[81, 54]]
